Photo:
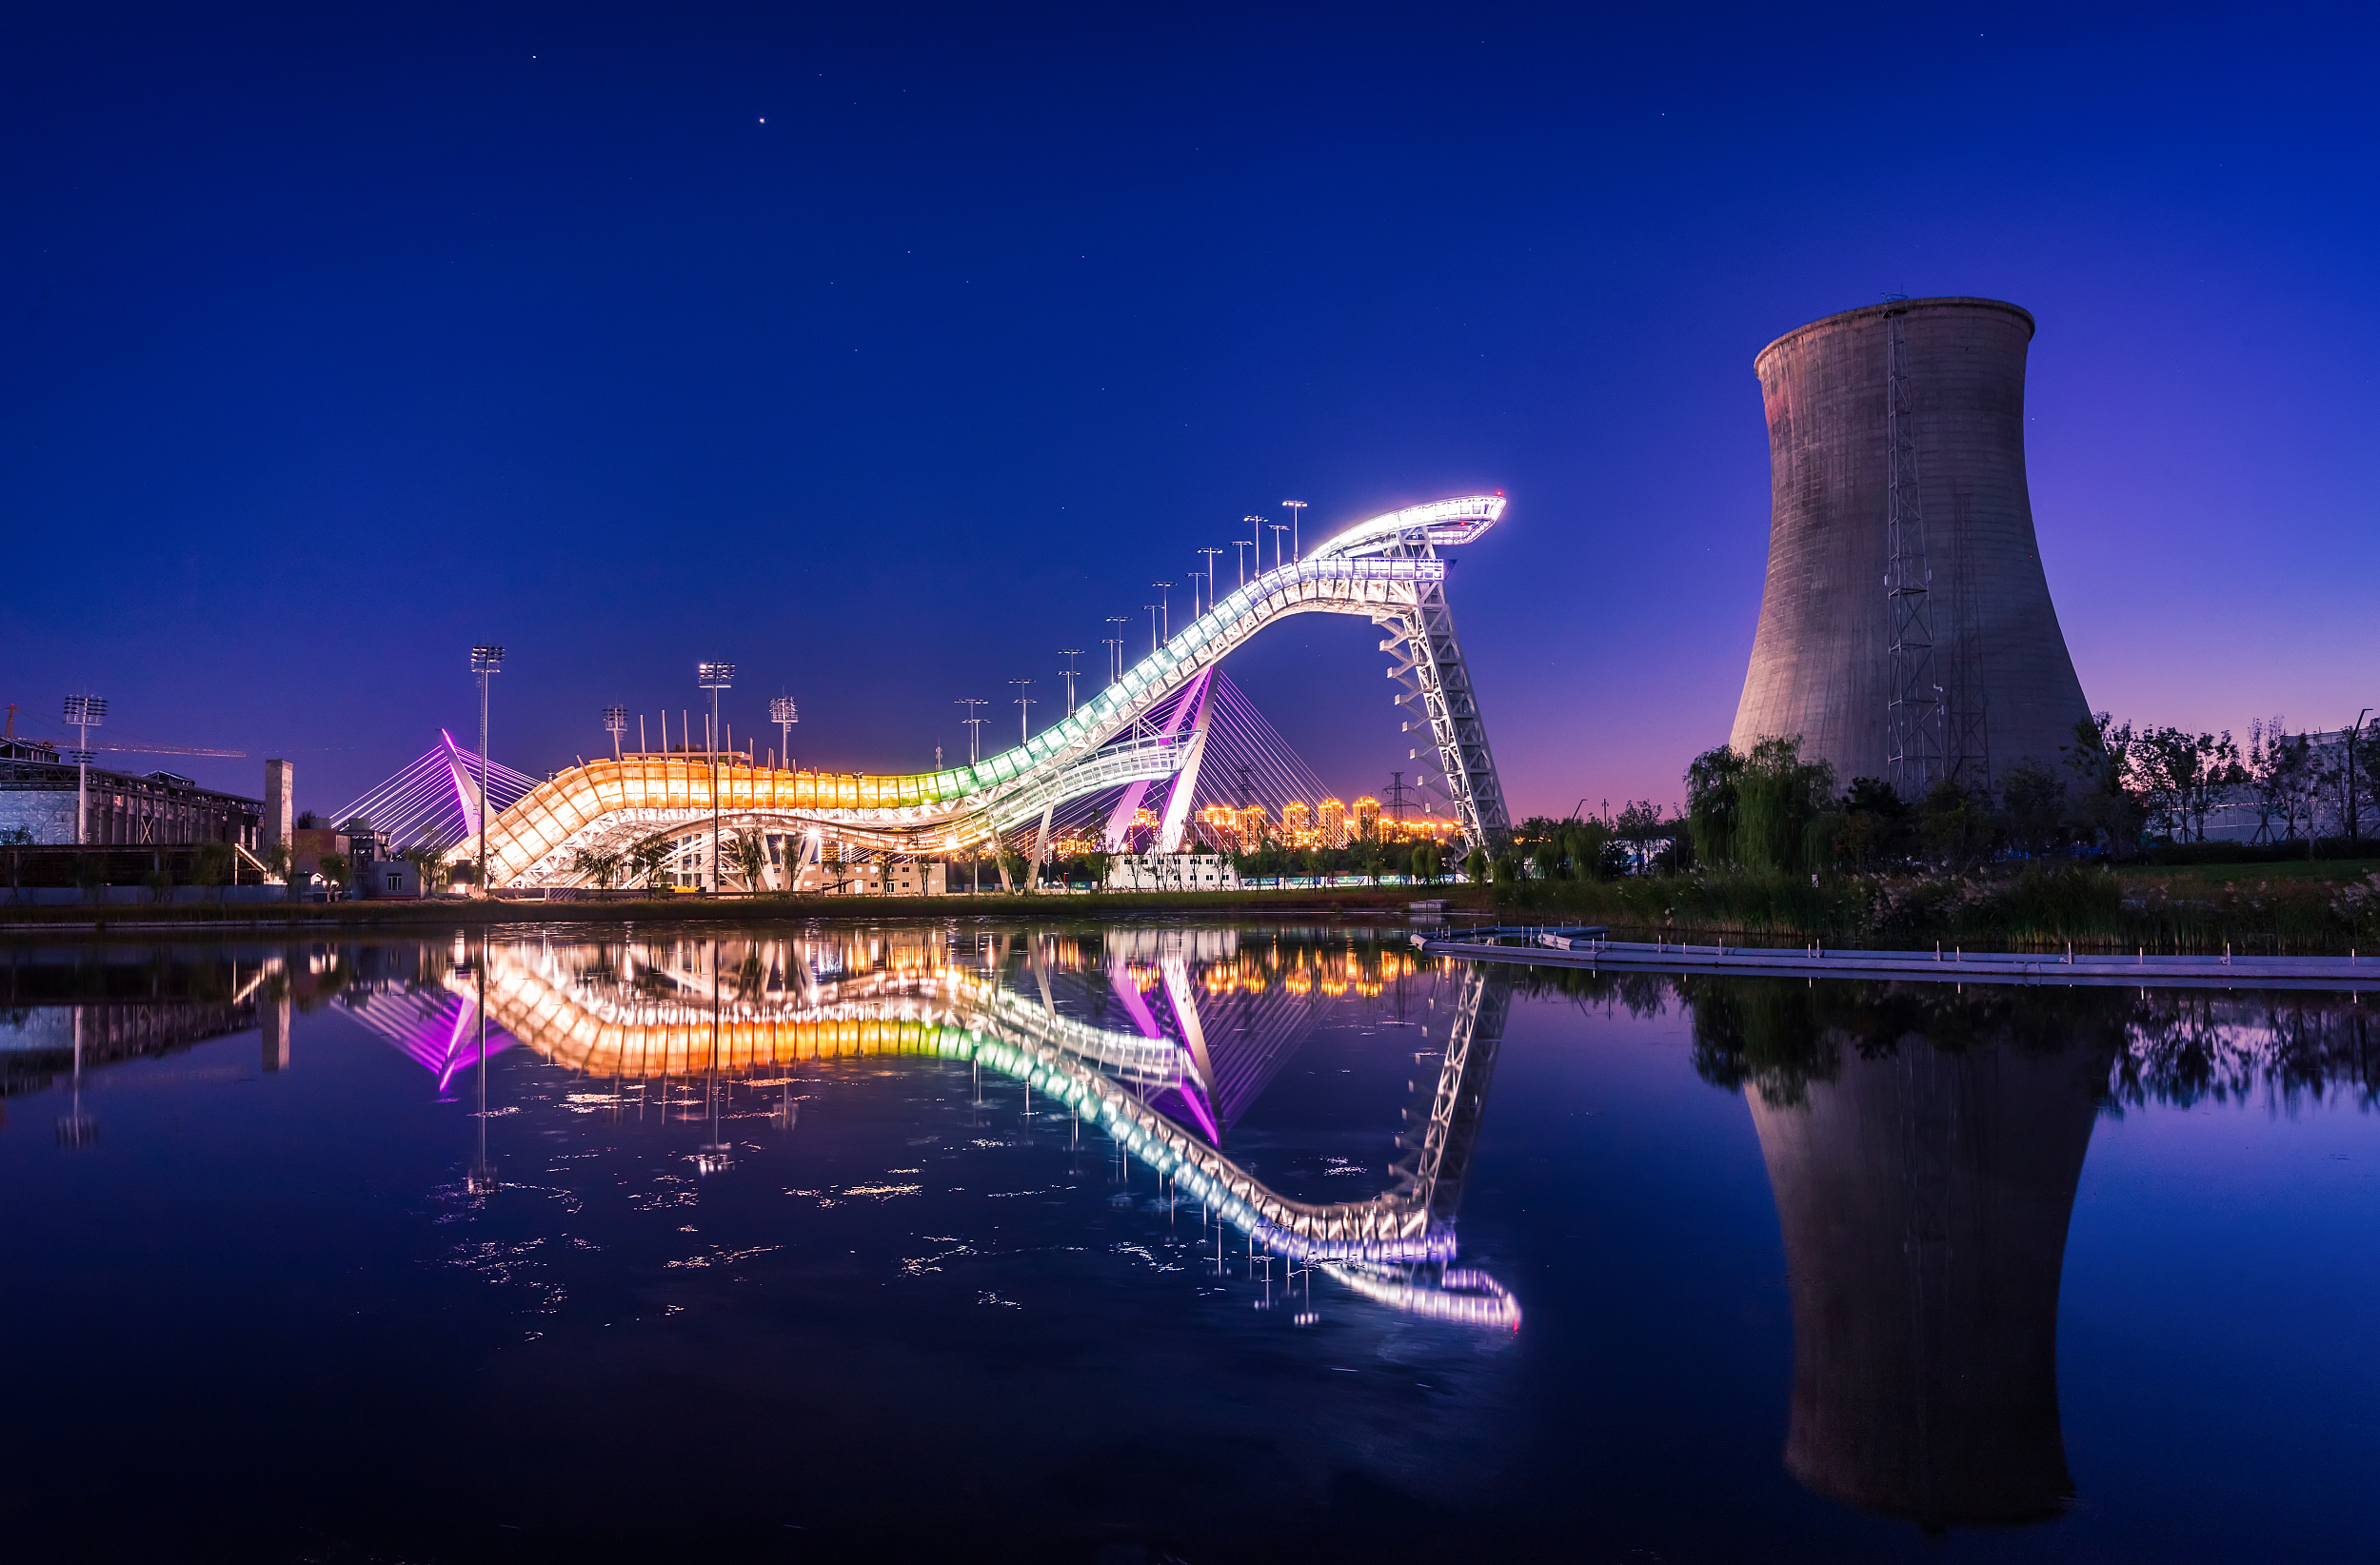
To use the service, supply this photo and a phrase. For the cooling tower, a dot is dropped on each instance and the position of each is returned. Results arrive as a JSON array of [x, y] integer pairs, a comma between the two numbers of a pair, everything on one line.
[[1823, 664]]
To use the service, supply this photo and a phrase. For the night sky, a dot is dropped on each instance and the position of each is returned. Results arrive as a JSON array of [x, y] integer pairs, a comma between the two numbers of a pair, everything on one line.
[[888, 351]]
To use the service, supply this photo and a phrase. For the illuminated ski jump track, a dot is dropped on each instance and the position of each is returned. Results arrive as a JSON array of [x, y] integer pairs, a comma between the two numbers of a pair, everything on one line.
[[1387, 569]]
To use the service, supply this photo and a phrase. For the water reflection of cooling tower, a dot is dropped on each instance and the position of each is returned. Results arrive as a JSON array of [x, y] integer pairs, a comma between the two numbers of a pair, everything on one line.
[[1924, 1197]]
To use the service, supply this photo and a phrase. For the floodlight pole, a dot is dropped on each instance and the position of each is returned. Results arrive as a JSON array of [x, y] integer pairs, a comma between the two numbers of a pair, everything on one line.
[[615, 723], [783, 712], [1025, 711], [1117, 641], [1068, 673], [973, 725], [1294, 507], [486, 661], [1165, 607], [1278, 528], [1257, 525], [1210, 575], [86, 713], [715, 677]]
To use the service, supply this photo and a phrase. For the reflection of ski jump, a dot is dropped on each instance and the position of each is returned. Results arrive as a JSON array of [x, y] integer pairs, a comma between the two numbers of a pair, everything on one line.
[[677, 1022]]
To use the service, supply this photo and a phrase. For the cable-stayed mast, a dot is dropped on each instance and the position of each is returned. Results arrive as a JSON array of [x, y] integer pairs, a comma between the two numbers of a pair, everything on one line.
[[1913, 744]]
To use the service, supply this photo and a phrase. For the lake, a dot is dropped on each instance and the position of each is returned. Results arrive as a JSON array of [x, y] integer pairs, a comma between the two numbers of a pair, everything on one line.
[[1167, 1242]]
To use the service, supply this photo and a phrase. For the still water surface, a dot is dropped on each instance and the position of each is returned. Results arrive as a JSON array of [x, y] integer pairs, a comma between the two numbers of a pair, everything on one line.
[[1123, 1243]]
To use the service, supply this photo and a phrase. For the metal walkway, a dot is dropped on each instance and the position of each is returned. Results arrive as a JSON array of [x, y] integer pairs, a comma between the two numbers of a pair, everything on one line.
[[1584, 947]]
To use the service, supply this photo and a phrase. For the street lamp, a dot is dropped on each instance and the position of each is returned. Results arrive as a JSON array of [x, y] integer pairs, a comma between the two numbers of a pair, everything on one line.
[[486, 661], [715, 677], [1117, 641], [1294, 507], [1256, 524], [783, 714], [1278, 528], [1166, 601], [1210, 575], [84, 713], [615, 723]]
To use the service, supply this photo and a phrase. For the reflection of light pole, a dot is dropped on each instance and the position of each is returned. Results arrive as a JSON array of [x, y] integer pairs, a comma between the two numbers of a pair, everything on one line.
[[485, 661], [711, 1157], [482, 1179], [1256, 522], [784, 715], [84, 712], [615, 723], [715, 677], [1293, 507], [76, 1130]]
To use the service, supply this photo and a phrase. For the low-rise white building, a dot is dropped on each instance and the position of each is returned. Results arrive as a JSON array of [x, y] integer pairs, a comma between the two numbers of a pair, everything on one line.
[[1171, 872], [901, 878]]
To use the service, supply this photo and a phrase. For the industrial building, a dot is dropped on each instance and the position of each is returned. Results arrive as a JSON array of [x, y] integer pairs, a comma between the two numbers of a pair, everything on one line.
[[1906, 629], [38, 788]]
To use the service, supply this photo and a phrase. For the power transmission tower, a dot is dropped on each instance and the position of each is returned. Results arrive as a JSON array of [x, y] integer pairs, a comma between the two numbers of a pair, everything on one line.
[[1914, 738], [1397, 791]]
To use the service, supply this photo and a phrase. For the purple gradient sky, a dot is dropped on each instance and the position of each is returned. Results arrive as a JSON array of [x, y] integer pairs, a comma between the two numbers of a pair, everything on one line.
[[332, 340]]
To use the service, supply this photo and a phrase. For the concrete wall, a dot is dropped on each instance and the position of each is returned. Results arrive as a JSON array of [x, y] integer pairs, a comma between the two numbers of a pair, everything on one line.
[[279, 809], [1820, 657], [47, 813]]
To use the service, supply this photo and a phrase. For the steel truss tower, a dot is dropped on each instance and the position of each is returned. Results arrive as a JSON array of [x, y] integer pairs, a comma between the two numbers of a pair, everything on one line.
[[1435, 683], [1914, 737]]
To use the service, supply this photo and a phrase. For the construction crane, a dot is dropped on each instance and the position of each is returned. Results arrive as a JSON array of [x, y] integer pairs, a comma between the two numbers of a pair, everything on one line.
[[123, 747]]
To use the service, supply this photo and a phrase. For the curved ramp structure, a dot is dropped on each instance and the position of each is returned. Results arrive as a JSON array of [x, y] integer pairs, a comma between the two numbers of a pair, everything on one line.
[[1386, 569]]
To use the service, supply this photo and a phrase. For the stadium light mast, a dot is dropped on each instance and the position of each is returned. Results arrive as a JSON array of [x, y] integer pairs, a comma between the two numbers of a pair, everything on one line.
[[1257, 525], [1294, 507], [1025, 711], [1152, 609], [783, 712], [84, 713], [1069, 673], [715, 677], [1278, 528], [615, 723], [486, 661], [1165, 607], [1210, 576], [973, 725]]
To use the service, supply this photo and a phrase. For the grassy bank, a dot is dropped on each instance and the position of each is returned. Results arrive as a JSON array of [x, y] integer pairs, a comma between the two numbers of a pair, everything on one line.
[[446, 913], [2328, 906]]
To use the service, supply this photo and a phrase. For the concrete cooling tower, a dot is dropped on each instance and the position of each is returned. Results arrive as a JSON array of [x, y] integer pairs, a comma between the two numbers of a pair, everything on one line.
[[1940, 656]]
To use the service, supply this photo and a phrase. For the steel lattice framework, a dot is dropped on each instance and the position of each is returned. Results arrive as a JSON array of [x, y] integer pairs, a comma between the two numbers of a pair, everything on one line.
[[1387, 569]]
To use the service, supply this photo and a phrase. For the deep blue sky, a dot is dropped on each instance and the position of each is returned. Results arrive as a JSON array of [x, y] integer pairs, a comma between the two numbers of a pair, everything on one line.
[[886, 351]]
